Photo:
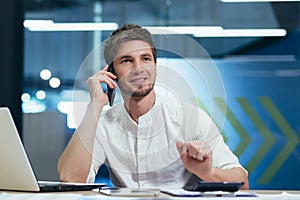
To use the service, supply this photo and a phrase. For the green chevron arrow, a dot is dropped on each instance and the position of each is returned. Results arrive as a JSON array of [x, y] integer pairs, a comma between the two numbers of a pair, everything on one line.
[[288, 148], [245, 139], [269, 139], [198, 103]]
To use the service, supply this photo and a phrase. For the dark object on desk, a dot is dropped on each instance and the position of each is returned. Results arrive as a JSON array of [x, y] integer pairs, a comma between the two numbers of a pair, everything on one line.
[[202, 186], [13, 156], [51, 186]]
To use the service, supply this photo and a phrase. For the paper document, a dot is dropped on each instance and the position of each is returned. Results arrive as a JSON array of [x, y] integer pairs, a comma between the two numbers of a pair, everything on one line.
[[185, 193]]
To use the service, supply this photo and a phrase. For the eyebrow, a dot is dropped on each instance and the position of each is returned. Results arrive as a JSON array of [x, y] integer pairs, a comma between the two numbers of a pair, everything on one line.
[[122, 57], [129, 56]]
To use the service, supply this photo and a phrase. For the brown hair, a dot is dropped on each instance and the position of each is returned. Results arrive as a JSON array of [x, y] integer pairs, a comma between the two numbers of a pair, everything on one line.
[[126, 33]]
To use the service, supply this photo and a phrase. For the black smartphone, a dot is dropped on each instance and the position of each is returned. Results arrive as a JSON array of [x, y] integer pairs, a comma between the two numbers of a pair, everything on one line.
[[111, 93]]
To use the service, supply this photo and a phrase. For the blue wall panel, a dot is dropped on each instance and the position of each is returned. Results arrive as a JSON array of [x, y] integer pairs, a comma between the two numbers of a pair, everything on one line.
[[265, 97], [260, 109]]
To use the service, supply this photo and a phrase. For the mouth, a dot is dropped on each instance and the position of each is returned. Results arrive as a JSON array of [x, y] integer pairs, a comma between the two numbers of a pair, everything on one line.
[[139, 81]]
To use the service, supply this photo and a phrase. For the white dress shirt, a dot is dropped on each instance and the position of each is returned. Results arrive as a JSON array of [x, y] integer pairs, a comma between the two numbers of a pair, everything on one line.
[[144, 154]]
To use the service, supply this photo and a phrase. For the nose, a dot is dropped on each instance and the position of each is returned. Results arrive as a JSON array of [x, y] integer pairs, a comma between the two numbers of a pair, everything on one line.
[[138, 63], [137, 66]]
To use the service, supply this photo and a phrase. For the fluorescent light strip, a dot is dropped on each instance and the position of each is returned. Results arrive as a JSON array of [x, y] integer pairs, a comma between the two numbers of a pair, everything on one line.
[[181, 29], [243, 33], [197, 31], [35, 23], [49, 25], [216, 31], [242, 1]]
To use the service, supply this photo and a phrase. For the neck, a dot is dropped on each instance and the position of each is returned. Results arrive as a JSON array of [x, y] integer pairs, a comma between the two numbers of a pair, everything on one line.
[[138, 106]]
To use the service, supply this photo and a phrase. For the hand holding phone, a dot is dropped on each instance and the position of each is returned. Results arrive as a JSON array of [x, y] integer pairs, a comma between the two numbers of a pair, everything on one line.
[[95, 87]]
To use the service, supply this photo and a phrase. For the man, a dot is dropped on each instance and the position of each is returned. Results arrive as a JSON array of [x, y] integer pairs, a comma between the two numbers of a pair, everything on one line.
[[147, 140]]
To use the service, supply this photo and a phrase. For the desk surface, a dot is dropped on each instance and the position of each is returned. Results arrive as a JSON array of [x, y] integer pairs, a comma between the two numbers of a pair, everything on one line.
[[91, 195]]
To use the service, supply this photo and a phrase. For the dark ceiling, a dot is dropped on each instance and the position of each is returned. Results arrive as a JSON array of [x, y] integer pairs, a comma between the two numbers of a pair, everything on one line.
[[175, 12]]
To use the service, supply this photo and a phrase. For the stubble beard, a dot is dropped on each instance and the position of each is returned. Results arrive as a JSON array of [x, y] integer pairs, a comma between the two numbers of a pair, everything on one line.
[[140, 92]]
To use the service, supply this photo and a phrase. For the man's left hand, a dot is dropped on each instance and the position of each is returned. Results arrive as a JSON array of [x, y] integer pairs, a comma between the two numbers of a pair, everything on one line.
[[196, 157]]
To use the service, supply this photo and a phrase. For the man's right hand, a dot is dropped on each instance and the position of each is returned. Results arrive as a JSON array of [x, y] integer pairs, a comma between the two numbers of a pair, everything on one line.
[[97, 94]]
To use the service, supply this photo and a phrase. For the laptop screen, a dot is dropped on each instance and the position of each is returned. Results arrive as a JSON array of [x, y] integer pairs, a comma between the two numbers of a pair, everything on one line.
[[16, 172]]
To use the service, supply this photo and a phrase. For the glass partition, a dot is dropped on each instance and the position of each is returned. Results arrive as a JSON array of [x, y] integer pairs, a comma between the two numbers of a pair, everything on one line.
[[254, 46]]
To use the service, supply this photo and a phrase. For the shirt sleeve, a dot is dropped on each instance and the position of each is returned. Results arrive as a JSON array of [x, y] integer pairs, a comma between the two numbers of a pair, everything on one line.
[[223, 157]]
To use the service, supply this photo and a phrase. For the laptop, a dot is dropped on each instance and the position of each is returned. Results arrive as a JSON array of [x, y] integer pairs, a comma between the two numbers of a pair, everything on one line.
[[16, 172]]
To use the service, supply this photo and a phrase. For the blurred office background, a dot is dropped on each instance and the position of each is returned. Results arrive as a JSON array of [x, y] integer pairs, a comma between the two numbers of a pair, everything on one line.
[[255, 47]]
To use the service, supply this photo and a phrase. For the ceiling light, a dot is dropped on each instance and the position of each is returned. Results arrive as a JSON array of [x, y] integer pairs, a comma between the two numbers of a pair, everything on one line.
[[243, 33], [41, 94], [242, 1], [215, 31], [49, 25], [54, 82], [181, 29], [25, 97], [45, 74], [35, 23]]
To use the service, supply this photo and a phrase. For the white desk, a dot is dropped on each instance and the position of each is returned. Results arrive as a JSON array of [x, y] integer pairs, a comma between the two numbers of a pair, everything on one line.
[[91, 195]]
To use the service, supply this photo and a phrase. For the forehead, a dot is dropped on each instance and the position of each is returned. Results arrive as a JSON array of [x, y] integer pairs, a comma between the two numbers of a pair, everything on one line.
[[134, 47]]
